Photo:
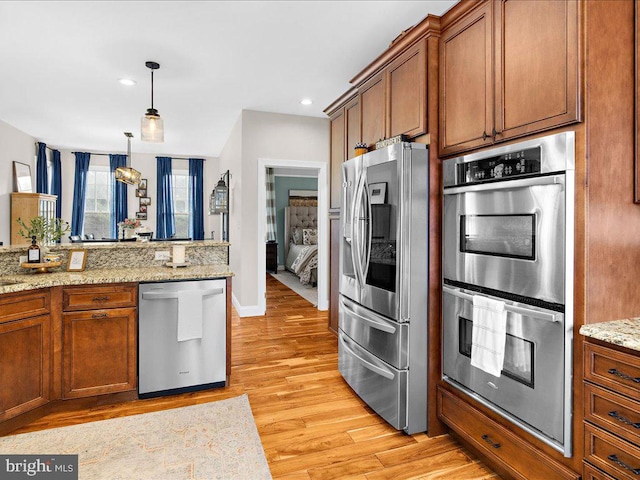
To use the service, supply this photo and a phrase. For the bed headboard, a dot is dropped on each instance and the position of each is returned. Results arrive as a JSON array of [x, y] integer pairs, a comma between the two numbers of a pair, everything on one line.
[[303, 217]]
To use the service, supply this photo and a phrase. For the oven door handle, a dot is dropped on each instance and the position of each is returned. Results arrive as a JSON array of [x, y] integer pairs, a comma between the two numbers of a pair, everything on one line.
[[371, 321], [507, 185], [528, 312]]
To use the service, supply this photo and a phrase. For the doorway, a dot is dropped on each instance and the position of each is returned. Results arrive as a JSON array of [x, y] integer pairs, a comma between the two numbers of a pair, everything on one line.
[[320, 169]]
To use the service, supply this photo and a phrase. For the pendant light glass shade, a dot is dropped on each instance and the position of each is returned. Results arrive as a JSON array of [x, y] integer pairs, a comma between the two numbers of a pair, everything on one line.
[[151, 125]]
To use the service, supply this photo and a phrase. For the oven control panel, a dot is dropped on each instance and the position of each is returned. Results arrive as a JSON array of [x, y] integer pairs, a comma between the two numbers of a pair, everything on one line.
[[512, 164]]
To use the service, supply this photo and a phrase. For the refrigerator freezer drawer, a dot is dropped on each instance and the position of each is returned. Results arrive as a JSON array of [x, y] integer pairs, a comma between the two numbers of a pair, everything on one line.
[[166, 365], [384, 338], [381, 386]]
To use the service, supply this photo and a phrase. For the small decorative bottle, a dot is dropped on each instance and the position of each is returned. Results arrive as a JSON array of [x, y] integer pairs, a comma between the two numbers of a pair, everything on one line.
[[33, 254]]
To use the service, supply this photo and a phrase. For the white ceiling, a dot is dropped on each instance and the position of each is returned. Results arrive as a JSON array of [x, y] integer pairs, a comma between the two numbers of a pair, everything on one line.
[[61, 61]]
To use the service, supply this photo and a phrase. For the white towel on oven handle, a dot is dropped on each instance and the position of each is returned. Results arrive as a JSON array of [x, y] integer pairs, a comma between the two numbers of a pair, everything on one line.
[[489, 334], [189, 315]]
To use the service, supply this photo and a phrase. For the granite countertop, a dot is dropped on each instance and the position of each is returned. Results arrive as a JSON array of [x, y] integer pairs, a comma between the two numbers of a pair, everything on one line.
[[32, 281], [625, 333]]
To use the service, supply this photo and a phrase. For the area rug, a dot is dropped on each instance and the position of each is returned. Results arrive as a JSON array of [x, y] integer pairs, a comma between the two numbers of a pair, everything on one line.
[[217, 440], [310, 294]]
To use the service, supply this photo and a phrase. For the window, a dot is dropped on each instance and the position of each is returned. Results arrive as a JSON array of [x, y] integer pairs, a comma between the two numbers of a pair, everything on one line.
[[97, 205], [180, 181]]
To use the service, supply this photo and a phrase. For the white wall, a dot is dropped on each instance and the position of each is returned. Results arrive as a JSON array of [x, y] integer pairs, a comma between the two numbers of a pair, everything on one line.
[[263, 135], [16, 146]]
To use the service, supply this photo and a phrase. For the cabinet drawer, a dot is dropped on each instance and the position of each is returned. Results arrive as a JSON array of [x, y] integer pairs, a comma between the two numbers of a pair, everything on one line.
[[615, 370], [497, 443], [612, 412], [618, 458], [16, 306], [591, 473], [98, 297]]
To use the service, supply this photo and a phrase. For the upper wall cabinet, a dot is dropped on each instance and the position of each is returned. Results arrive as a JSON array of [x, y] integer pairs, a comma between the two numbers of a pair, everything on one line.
[[372, 99], [344, 116], [508, 68]]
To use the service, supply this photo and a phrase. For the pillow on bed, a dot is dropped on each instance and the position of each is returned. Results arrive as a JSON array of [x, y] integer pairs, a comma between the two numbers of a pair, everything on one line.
[[310, 236], [296, 235]]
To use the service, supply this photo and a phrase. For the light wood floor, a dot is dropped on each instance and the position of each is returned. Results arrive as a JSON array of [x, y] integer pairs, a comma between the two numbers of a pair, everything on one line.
[[311, 424]]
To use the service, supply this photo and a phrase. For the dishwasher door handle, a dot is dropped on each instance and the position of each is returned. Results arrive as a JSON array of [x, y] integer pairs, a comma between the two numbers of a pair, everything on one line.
[[169, 295]]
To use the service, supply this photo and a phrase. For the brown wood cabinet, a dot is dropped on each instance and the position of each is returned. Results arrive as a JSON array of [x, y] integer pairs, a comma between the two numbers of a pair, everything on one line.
[[373, 105], [25, 361], [99, 342], [407, 93], [337, 153], [27, 206], [504, 450], [508, 68], [611, 412]]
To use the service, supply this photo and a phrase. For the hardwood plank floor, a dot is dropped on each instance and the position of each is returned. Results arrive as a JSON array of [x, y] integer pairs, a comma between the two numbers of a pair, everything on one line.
[[312, 426]]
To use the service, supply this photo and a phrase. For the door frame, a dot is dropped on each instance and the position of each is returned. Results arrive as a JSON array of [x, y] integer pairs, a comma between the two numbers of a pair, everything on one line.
[[323, 226]]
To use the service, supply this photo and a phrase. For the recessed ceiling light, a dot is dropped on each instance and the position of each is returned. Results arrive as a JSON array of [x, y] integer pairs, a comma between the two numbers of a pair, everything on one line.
[[127, 81], [306, 101]]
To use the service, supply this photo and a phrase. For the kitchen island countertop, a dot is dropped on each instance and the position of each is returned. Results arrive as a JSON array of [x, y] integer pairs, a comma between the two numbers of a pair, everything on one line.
[[625, 333], [34, 281]]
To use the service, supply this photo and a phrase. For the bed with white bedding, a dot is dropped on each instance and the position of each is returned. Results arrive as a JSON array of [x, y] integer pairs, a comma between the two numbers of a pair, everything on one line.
[[301, 242]]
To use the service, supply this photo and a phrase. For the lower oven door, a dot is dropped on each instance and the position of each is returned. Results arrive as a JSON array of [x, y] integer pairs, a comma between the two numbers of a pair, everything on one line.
[[531, 388], [381, 386]]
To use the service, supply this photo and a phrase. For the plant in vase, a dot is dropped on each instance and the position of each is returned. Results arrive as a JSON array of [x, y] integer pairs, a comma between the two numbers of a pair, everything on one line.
[[127, 227], [45, 230]]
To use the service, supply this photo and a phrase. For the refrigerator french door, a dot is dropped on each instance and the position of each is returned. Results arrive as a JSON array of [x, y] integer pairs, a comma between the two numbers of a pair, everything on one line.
[[383, 290]]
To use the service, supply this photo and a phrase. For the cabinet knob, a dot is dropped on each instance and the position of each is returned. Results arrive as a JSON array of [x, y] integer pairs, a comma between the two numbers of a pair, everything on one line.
[[495, 132], [484, 135], [99, 315]]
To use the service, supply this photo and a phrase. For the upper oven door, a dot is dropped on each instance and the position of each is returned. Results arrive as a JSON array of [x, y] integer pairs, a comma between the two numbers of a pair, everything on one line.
[[508, 236]]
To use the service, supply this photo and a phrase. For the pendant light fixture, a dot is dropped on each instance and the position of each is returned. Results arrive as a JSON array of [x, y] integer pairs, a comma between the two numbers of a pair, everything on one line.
[[128, 175], [151, 125], [219, 198]]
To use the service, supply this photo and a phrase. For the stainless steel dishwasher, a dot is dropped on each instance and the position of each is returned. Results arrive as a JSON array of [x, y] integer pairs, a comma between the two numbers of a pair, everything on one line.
[[181, 336]]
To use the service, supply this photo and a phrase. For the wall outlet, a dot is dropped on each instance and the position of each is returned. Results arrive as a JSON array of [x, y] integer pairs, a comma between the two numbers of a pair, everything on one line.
[[23, 259], [163, 255]]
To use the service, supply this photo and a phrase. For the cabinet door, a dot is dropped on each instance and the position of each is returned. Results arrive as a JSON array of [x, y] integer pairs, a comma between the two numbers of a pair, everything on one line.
[[466, 82], [99, 352], [352, 120], [337, 157], [371, 96], [407, 98], [25, 365], [537, 67]]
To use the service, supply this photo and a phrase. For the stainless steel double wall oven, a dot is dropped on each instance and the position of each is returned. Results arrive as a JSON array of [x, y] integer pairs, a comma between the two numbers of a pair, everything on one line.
[[508, 235]]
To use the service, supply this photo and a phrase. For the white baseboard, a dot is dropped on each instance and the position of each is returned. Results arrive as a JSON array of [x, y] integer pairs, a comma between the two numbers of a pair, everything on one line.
[[247, 311]]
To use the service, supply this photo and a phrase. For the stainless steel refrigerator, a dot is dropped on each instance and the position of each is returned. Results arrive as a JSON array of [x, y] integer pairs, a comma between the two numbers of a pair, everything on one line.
[[382, 337]]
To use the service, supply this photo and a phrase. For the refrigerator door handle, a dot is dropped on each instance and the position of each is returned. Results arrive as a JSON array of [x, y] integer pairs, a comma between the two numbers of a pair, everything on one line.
[[368, 227], [383, 327], [356, 231], [383, 372]]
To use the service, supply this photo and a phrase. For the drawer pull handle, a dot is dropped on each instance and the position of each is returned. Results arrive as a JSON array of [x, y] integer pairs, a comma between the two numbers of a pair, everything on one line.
[[101, 299], [99, 315], [617, 461], [623, 375], [624, 420], [490, 442]]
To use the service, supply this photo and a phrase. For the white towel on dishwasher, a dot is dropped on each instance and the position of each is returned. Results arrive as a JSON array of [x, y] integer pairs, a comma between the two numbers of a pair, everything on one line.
[[189, 315], [489, 334]]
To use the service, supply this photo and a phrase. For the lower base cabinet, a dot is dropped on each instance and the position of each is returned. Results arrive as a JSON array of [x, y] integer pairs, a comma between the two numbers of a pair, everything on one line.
[[99, 352], [501, 448], [25, 364]]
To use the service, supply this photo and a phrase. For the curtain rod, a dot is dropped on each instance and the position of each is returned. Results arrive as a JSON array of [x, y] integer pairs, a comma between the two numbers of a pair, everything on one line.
[[172, 158], [45, 146]]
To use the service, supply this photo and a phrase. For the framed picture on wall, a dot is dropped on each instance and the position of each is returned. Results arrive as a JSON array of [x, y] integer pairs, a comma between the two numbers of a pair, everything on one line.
[[143, 209], [143, 184], [22, 178], [141, 215], [145, 201], [141, 192]]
